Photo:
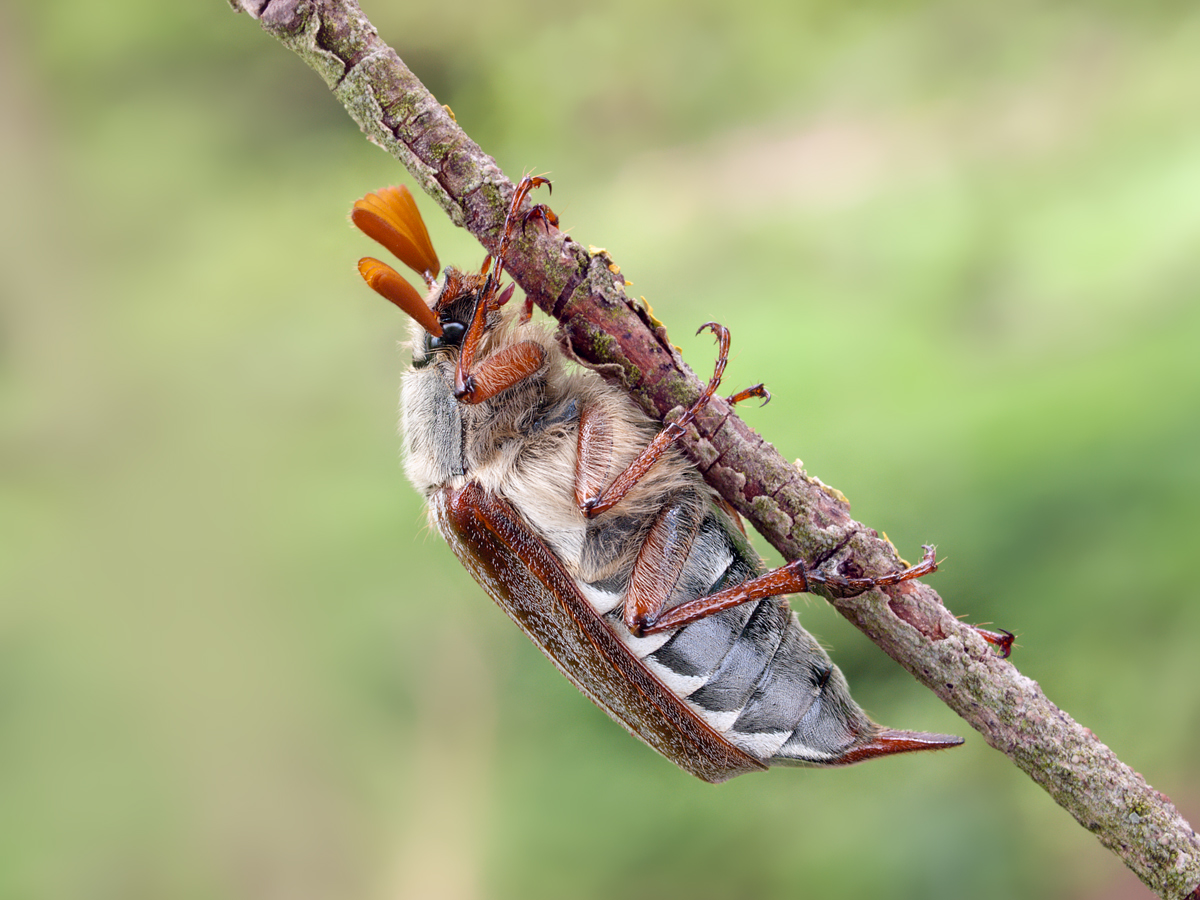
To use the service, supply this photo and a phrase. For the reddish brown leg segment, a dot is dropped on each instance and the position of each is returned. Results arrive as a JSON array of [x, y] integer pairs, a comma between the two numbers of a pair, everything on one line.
[[530, 585], [1002, 640], [605, 500], [463, 372], [500, 371], [659, 562], [541, 211], [593, 454], [475, 384], [794, 578], [758, 390]]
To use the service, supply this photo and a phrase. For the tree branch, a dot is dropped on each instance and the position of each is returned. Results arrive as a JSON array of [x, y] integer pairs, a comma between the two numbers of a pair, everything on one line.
[[799, 515]]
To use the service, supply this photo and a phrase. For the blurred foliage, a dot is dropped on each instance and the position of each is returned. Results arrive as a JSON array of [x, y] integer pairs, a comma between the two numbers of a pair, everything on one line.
[[959, 242]]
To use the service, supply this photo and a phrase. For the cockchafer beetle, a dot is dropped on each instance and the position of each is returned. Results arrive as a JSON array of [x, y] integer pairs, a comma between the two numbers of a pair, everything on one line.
[[578, 515]]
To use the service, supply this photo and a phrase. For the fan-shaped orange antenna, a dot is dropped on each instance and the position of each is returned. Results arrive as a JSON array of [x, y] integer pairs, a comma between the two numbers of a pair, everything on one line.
[[390, 285], [390, 216]]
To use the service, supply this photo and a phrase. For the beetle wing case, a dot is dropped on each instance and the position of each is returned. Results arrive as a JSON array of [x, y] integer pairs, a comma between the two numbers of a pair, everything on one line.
[[525, 579]]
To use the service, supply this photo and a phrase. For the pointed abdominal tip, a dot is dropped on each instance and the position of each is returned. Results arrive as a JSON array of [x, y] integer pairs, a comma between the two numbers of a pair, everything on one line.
[[390, 216], [390, 285], [887, 741]]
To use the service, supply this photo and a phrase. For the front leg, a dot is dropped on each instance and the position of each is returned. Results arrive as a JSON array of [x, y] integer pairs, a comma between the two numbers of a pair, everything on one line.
[[476, 381], [500, 371]]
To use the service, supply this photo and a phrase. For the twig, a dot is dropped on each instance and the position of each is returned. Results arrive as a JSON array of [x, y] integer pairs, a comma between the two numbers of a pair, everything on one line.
[[794, 511]]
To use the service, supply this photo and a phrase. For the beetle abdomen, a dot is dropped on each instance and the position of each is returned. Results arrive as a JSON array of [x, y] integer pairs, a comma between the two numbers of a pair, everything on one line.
[[751, 672]]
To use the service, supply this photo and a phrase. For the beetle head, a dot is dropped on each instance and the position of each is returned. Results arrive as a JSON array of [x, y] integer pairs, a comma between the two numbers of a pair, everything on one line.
[[390, 216]]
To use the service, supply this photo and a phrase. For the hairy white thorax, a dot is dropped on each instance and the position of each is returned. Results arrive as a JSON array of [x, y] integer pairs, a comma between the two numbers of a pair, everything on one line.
[[522, 444]]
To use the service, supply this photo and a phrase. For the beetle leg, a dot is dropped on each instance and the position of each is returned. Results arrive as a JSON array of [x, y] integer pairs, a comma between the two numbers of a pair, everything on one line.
[[526, 310], [500, 371], [592, 456], [594, 501], [757, 390], [540, 211], [794, 578], [530, 584], [465, 371], [659, 562], [1002, 640], [474, 384]]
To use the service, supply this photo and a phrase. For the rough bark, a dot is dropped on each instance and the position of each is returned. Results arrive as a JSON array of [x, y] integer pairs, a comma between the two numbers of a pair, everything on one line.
[[799, 515]]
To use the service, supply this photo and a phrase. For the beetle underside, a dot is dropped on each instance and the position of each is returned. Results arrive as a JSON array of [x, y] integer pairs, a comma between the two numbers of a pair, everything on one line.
[[583, 521]]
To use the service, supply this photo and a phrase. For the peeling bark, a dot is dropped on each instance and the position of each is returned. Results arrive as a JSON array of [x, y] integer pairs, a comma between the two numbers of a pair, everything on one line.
[[798, 514]]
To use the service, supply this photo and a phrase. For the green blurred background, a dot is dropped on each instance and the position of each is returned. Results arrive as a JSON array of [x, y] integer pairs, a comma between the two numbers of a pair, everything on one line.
[[961, 243]]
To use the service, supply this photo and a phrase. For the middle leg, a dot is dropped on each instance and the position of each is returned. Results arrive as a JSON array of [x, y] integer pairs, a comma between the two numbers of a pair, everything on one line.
[[595, 441]]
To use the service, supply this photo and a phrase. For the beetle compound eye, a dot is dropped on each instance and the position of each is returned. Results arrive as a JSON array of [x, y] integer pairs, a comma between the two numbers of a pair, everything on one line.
[[451, 336]]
